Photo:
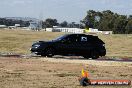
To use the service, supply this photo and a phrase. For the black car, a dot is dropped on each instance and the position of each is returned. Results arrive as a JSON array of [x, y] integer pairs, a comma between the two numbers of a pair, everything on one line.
[[88, 46]]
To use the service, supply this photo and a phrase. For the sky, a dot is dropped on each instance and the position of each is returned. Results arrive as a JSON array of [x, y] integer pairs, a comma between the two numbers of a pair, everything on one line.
[[62, 10]]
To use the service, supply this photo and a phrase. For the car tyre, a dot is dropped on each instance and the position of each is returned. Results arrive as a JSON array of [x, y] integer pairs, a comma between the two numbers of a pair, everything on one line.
[[49, 52]]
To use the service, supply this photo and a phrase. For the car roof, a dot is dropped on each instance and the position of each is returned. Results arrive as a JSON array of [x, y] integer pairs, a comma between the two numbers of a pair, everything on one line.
[[91, 36], [80, 34]]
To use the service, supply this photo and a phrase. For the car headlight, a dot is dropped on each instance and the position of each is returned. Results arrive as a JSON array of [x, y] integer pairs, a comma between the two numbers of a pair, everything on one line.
[[36, 46]]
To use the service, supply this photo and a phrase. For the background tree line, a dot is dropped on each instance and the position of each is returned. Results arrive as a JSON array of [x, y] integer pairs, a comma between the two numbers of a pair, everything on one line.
[[108, 21], [48, 23], [12, 22], [104, 21]]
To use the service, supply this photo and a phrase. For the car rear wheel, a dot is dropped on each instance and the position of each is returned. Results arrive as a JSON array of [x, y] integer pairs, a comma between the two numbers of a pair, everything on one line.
[[94, 54], [49, 52]]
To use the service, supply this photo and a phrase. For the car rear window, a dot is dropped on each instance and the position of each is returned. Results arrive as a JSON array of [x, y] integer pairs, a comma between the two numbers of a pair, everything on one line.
[[95, 39]]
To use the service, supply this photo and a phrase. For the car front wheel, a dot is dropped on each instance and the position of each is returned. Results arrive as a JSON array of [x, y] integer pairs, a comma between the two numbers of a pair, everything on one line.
[[49, 52]]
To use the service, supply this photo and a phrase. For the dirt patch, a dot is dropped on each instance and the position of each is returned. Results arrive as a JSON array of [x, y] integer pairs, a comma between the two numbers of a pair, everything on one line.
[[98, 62], [58, 73]]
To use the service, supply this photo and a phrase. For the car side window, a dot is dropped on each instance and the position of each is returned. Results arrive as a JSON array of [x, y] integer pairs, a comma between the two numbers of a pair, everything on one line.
[[83, 39], [72, 38]]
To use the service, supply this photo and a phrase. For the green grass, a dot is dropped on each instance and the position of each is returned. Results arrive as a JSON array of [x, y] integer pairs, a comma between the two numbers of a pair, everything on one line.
[[19, 41]]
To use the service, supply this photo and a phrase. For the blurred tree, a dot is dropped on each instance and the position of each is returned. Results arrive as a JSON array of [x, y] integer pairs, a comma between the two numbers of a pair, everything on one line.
[[129, 26], [89, 20], [64, 24], [51, 22], [108, 21], [10, 22], [120, 24]]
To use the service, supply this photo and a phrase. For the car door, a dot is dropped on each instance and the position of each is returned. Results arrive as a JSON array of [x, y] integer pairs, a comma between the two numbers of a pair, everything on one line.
[[68, 45], [84, 45], [73, 44]]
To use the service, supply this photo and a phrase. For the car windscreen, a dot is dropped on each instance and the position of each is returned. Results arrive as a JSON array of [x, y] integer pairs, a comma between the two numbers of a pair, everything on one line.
[[60, 37]]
